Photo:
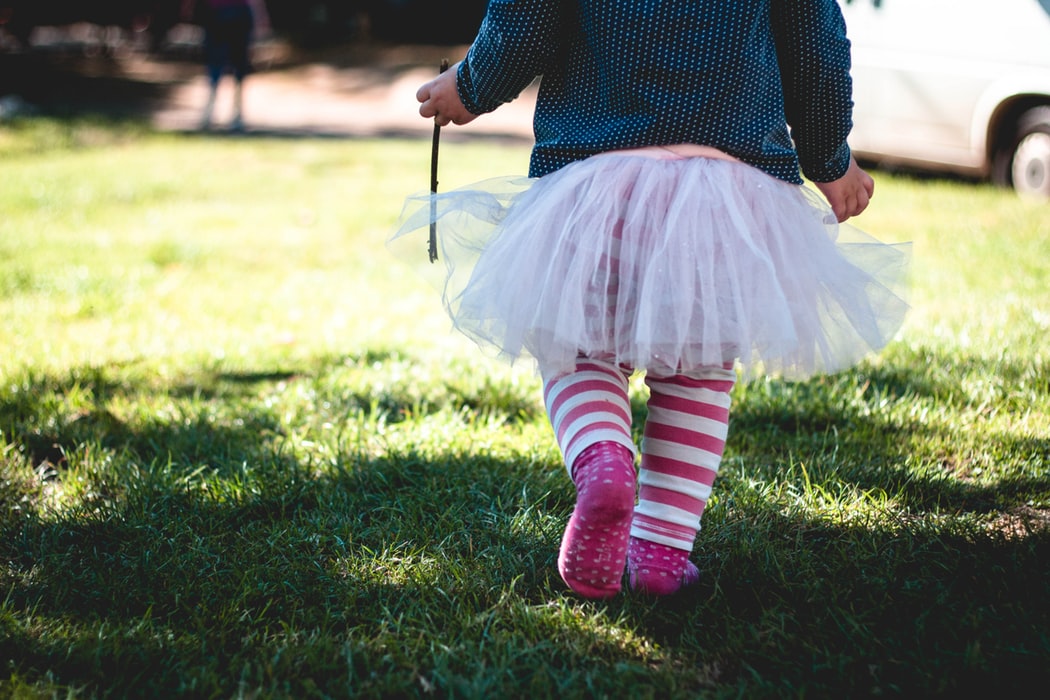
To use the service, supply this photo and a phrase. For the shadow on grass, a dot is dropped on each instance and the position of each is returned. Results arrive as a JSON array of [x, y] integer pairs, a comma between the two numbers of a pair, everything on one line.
[[413, 566], [319, 562], [394, 567]]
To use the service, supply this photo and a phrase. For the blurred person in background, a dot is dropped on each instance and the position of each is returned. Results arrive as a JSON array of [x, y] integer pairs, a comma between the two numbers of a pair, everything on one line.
[[229, 27]]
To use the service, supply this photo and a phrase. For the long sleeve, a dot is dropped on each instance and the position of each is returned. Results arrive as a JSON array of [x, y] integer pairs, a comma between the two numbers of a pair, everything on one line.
[[766, 81], [814, 57], [516, 41]]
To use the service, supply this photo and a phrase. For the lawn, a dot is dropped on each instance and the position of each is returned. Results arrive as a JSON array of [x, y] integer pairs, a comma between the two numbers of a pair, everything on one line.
[[241, 454]]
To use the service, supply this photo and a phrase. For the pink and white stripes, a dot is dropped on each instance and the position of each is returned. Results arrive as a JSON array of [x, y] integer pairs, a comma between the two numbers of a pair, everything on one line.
[[683, 439], [682, 445], [589, 406]]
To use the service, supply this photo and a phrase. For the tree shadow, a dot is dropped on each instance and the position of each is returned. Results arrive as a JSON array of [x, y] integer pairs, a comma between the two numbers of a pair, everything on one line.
[[366, 549], [67, 84], [800, 603], [390, 549], [215, 561]]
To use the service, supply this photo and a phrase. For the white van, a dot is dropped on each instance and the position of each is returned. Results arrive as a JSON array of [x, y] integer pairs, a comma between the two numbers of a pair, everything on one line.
[[956, 85]]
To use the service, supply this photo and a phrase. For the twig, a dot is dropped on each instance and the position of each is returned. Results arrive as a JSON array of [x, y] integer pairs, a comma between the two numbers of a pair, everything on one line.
[[434, 179]]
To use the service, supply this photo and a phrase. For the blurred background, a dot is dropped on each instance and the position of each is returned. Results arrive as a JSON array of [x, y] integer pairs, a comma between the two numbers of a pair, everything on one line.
[[954, 88], [307, 23], [329, 67]]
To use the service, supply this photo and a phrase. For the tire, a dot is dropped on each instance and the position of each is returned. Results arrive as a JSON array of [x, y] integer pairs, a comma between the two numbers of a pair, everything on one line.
[[1030, 161]]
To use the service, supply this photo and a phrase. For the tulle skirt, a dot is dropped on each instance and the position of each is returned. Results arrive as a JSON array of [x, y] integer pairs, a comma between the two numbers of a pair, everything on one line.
[[662, 264]]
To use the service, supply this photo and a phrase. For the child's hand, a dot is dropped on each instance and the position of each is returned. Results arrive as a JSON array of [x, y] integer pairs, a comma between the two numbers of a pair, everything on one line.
[[850, 194], [440, 99]]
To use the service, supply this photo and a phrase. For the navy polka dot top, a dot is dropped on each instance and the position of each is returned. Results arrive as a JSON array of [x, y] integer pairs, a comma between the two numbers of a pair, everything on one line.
[[733, 74]]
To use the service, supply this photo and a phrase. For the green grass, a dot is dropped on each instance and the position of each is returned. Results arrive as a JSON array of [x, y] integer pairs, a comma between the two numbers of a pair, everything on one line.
[[242, 455]]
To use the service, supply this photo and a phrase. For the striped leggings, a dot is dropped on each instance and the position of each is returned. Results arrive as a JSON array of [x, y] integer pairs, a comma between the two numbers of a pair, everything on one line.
[[682, 441]]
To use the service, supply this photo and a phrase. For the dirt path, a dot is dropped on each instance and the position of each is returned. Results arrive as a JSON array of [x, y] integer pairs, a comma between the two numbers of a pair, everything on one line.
[[325, 99], [354, 91]]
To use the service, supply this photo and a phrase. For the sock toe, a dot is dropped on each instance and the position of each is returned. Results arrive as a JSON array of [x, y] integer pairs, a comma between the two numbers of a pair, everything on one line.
[[656, 569]]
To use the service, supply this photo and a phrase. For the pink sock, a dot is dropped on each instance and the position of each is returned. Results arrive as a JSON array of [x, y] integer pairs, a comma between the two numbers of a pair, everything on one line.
[[594, 547], [657, 569]]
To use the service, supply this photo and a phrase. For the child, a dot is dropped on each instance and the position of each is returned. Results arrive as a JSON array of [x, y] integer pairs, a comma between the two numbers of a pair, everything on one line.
[[664, 228], [228, 29]]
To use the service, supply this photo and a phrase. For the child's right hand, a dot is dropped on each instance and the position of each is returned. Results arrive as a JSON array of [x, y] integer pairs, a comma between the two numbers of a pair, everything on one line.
[[850, 194], [439, 99]]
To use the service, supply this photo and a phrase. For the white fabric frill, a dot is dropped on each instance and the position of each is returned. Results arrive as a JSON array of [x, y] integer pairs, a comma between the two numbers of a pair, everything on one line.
[[663, 264]]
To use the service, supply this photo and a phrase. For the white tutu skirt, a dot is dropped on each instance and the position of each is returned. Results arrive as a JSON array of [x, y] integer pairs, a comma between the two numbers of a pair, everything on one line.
[[659, 264]]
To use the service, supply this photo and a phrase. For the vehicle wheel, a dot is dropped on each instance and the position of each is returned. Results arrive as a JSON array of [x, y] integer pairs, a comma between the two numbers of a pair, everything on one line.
[[1030, 166]]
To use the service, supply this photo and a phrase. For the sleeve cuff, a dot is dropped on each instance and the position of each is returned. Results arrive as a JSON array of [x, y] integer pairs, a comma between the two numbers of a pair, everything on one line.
[[831, 169], [467, 91]]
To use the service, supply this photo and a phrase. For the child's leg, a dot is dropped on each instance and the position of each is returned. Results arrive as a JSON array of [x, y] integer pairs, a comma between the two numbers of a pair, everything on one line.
[[682, 446], [215, 60], [209, 105], [237, 123], [240, 61], [591, 415]]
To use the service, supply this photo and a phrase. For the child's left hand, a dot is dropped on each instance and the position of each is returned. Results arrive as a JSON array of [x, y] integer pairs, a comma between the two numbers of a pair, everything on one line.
[[439, 99], [850, 194]]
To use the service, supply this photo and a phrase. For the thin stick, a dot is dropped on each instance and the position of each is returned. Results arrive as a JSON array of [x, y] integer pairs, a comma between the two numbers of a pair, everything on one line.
[[433, 250]]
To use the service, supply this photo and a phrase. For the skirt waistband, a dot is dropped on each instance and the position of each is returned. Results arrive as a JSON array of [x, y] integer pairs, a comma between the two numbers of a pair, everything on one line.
[[675, 151]]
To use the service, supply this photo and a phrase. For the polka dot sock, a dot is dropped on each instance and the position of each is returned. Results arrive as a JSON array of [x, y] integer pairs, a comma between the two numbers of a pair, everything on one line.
[[657, 569], [594, 547]]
